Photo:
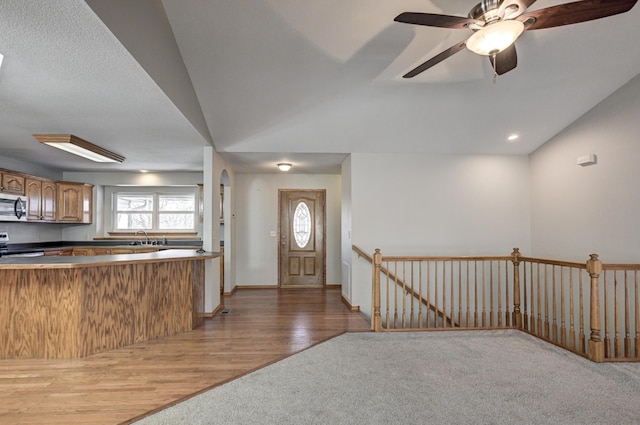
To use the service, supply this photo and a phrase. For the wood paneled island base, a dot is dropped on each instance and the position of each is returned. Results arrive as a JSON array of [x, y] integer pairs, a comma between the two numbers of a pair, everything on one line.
[[72, 307]]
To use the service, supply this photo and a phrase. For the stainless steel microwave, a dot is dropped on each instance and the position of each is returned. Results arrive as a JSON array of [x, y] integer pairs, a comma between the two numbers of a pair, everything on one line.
[[12, 208]]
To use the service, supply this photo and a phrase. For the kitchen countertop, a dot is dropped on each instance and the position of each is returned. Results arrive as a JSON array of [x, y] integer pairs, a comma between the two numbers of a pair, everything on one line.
[[70, 262], [134, 247], [97, 243]]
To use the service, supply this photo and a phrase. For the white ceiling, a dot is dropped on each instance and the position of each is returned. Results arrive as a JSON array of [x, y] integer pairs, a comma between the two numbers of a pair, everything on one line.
[[267, 81]]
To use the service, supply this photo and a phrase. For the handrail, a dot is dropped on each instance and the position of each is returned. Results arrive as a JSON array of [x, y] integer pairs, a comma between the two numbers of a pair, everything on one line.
[[590, 308], [444, 258], [400, 282], [620, 267], [554, 262], [362, 253]]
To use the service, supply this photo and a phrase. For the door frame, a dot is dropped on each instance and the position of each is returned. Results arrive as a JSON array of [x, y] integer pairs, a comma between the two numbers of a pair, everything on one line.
[[324, 236]]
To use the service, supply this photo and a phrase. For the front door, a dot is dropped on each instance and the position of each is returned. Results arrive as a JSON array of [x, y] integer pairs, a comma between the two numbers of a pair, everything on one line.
[[301, 246]]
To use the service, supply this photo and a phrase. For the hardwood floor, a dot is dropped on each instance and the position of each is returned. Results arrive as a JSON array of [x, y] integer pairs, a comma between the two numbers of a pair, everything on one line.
[[119, 386]]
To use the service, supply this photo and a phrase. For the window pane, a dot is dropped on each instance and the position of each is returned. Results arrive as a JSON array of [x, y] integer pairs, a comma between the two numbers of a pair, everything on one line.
[[154, 211], [134, 202], [302, 224], [133, 221], [184, 202], [176, 221]]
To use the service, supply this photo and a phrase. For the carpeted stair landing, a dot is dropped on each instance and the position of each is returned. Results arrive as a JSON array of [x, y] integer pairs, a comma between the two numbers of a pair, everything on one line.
[[462, 377]]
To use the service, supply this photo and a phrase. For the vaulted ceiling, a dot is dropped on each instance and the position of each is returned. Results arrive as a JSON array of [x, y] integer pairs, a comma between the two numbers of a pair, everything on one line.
[[269, 80]]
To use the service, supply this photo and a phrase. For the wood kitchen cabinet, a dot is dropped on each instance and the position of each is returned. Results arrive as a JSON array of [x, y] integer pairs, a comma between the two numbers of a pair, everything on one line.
[[74, 202], [96, 250], [41, 199], [11, 182], [116, 251], [48, 200], [58, 252], [82, 252]]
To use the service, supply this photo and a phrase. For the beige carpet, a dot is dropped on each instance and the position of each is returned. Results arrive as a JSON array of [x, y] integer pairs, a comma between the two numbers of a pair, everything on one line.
[[466, 377]]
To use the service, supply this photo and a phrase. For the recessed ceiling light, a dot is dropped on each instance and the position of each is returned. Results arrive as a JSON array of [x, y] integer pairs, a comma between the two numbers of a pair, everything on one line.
[[284, 166], [513, 137], [144, 171]]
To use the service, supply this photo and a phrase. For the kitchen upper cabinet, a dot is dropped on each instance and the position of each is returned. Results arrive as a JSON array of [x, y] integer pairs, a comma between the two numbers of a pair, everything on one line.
[[74, 202], [48, 200], [41, 199], [11, 182]]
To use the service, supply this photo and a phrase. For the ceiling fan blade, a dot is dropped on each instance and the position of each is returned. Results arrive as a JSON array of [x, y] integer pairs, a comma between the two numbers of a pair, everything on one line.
[[506, 60], [575, 12], [436, 59], [436, 20]]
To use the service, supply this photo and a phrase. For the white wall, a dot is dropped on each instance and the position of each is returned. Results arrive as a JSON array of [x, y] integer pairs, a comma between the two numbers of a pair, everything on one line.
[[214, 169], [227, 233], [256, 215], [420, 204], [346, 229], [579, 210], [31, 232], [28, 168]]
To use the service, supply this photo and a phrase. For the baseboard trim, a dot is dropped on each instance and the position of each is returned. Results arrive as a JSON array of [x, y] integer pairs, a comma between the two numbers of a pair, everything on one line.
[[256, 287], [328, 286], [233, 291], [355, 308], [214, 312]]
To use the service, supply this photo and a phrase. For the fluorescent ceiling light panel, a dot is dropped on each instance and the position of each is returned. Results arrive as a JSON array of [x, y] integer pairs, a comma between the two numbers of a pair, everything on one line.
[[78, 146]]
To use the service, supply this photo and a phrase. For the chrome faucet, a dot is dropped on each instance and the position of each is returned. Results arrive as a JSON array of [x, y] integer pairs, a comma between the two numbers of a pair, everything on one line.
[[146, 236]]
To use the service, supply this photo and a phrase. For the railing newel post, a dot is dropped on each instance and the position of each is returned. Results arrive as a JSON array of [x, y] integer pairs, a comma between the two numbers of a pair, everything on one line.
[[596, 345], [377, 318], [517, 314]]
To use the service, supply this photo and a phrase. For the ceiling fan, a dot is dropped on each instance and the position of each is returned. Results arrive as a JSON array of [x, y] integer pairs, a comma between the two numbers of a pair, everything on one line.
[[496, 24]]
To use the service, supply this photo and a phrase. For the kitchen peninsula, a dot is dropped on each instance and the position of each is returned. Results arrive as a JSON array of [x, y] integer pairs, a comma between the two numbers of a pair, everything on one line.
[[71, 307]]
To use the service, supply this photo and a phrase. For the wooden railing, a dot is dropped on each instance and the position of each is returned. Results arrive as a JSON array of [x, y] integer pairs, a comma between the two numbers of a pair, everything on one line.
[[621, 306], [417, 297], [556, 302], [588, 308]]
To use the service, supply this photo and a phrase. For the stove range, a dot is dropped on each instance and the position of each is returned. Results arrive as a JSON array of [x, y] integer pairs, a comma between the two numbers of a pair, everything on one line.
[[4, 240], [5, 253]]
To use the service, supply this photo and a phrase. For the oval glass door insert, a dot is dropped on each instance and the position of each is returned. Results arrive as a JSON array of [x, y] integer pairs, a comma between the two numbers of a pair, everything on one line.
[[302, 224]]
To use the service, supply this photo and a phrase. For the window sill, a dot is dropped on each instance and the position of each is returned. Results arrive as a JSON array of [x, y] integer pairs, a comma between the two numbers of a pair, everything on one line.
[[133, 235]]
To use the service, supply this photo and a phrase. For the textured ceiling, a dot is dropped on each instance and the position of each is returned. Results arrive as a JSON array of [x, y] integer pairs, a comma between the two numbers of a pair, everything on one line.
[[271, 80]]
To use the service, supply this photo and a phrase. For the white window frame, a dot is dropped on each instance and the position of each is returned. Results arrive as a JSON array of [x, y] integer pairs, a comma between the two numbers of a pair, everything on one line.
[[114, 191]]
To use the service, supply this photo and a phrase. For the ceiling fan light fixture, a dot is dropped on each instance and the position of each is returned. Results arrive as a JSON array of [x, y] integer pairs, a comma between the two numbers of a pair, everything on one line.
[[494, 38], [284, 166]]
